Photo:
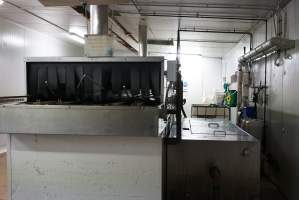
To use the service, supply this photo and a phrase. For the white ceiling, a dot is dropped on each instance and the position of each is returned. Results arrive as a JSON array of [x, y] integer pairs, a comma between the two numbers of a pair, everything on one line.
[[159, 27]]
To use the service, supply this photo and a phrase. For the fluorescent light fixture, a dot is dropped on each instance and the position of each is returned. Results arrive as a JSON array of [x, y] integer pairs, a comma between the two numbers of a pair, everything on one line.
[[1, 2], [76, 38]]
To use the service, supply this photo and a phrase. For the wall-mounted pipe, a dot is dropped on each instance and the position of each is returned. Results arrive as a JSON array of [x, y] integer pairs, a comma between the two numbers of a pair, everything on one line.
[[268, 47], [246, 82], [239, 86]]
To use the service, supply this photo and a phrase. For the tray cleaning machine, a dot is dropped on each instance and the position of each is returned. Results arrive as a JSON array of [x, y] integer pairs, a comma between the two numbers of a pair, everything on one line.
[[89, 130]]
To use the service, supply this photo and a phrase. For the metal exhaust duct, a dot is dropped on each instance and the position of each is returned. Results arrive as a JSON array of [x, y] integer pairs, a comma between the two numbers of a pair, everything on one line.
[[143, 38], [98, 19], [98, 43]]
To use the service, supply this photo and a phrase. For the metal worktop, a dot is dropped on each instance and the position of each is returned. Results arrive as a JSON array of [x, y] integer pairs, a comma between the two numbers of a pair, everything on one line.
[[213, 130]]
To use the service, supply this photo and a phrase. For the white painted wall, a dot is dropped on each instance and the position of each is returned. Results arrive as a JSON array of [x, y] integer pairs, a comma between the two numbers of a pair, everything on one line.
[[203, 75], [16, 43], [204, 78], [282, 138]]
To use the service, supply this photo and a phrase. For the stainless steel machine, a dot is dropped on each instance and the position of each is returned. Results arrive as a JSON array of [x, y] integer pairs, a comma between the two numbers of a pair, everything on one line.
[[89, 130], [215, 160]]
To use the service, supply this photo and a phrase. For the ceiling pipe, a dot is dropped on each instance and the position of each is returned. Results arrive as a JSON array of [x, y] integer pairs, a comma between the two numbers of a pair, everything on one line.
[[136, 6], [124, 29], [204, 5], [193, 16], [124, 43], [221, 32], [284, 3], [210, 41]]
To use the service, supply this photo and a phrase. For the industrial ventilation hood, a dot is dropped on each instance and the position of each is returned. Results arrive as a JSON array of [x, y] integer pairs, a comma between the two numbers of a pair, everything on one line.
[[268, 47]]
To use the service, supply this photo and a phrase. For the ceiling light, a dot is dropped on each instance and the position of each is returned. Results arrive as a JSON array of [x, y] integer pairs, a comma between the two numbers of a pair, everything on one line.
[[1, 2]]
